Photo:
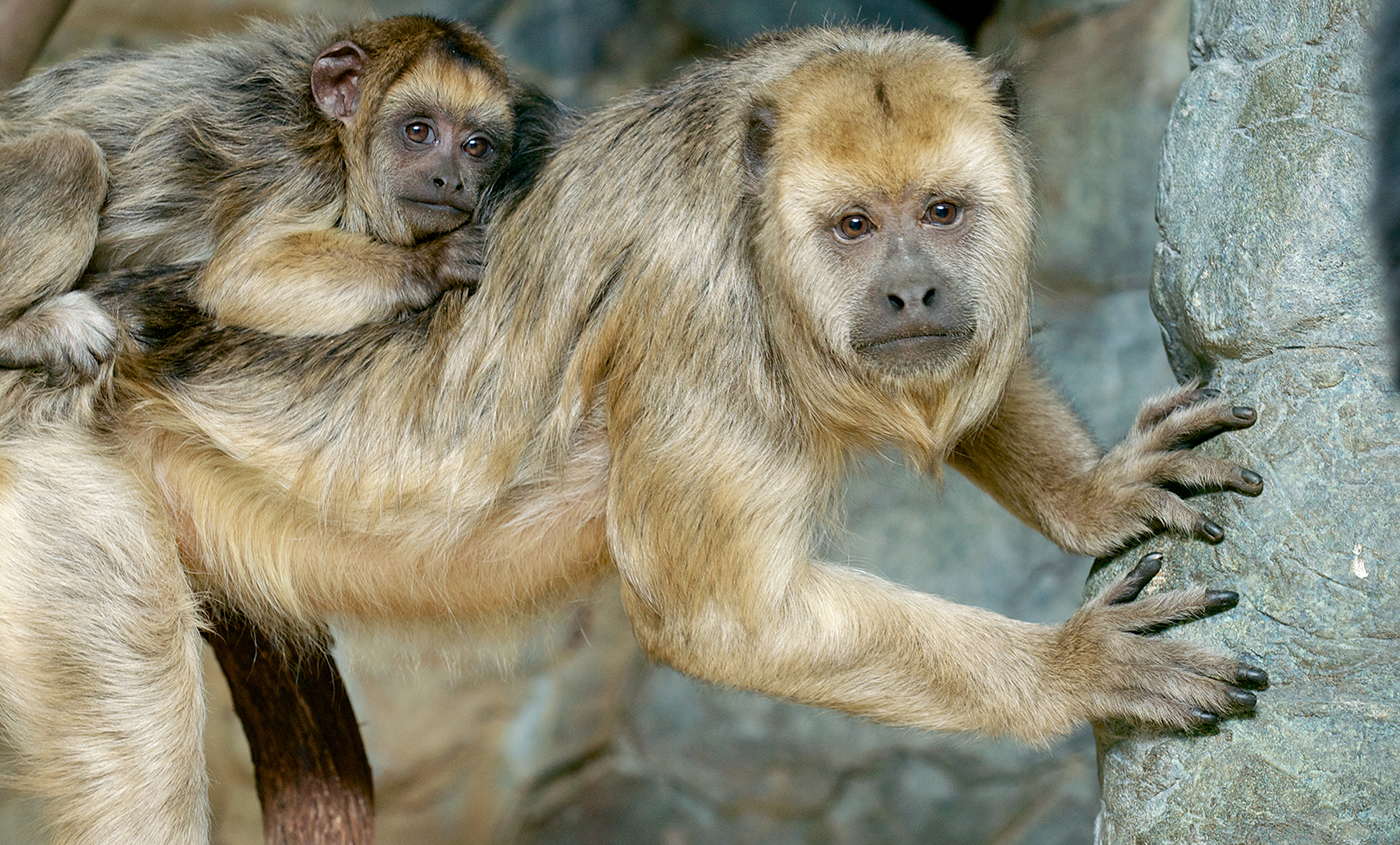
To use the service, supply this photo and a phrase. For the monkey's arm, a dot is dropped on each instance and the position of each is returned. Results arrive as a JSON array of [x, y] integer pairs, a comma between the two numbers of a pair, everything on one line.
[[1036, 458], [327, 281], [54, 183], [717, 582]]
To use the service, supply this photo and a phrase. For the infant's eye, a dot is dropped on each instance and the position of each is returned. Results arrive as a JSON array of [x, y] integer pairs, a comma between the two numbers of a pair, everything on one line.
[[478, 146], [420, 132], [853, 227]]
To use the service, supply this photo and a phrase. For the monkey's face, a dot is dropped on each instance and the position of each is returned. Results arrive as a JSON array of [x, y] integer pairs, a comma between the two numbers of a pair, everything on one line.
[[899, 189], [909, 309], [442, 133]]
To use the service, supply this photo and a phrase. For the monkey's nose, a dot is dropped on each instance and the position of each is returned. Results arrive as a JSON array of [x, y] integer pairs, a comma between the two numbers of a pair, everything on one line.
[[441, 183], [912, 298]]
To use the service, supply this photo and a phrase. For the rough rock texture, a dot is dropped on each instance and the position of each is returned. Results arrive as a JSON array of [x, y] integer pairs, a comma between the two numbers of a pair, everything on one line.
[[1265, 284]]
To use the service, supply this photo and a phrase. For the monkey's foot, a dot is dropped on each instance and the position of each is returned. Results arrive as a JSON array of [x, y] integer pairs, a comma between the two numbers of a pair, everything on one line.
[[69, 336], [1118, 673], [1140, 487]]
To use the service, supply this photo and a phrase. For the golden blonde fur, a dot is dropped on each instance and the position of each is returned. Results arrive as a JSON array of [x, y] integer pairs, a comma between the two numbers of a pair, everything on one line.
[[670, 361]]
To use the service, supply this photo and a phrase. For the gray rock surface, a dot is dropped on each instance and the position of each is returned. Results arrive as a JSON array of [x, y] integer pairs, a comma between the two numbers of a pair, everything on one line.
[[1265, 284]]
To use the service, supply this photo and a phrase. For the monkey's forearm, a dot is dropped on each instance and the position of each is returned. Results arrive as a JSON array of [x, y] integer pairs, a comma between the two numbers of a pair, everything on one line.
[[54, 185], [329, 281], [1032, 453], [1035, 457], [844, 639]]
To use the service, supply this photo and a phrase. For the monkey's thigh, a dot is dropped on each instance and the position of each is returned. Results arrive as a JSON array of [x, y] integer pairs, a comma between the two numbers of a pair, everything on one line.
[[100, 685], [52, 186]]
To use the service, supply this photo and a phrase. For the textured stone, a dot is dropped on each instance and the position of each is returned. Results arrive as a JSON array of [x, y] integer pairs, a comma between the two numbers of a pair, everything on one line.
[[1265, 283]]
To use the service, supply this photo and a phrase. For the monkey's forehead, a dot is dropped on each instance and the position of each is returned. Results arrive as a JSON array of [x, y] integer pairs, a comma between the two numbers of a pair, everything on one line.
[[454, 87], [896, 122]]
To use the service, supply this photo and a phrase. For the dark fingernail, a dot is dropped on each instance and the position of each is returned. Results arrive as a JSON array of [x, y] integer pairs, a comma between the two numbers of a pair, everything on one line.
[[1221, 599], [1243, 413], [1206, 718], [1253, 677], [1148, 567], [1244, 698], [1250, 477], [1210, 532], [1137, 578]]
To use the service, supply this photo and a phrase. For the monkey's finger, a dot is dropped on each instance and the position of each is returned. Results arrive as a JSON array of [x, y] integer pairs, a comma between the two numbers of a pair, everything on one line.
[[1128, 587], [1164, 510], [1179, 685], [1190, 425], [1189, 474], [1158, 408], [1199, 713], [1164, 610]]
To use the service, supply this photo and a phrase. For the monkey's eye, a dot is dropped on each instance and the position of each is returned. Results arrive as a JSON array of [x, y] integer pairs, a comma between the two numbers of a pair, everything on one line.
[[942, 213], [420, 132], [853, 227], [478, 146]]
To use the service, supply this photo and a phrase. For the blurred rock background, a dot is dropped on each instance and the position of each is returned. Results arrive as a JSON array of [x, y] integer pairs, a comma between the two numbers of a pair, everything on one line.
[[591, 743]]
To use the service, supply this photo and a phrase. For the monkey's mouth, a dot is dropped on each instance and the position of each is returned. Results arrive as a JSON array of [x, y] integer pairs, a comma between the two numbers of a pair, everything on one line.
[[916, 347], [439, 208]]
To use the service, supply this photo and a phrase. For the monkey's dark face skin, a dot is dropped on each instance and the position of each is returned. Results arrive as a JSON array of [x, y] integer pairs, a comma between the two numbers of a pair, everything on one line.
[[911, 312], [437, 167], [443, 131]]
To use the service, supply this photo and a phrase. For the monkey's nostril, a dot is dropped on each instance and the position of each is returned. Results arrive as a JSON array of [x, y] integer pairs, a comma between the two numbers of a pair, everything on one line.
[[896, 302], [930, 297], [439, 182]]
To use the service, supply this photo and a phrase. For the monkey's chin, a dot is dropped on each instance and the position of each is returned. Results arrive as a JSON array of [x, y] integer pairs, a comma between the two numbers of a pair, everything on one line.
[[902, 356]]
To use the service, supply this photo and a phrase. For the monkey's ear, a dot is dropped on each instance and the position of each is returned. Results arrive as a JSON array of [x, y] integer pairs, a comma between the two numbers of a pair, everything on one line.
[[758, 140], [335, 80], [1003, 82]]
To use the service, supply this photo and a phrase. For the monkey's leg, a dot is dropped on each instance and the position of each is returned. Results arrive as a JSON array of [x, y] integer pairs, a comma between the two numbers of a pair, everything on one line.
[[309, 761], [1037, 459], [100, 683], [52, 186]]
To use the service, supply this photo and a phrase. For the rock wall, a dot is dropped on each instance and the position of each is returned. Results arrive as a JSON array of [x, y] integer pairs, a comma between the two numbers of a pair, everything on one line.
[[1266, 286], [589, 742]]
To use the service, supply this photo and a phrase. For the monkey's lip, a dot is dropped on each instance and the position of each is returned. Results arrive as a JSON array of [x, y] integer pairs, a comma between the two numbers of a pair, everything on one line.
[[438, 207], [915, 349], [937, 337]]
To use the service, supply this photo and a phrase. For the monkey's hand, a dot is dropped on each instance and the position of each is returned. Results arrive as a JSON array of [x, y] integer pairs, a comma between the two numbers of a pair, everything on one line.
[[68, 336], [1117, 672], [456, 259], [1140, 487]]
